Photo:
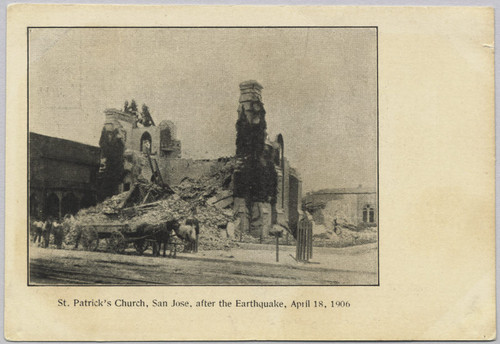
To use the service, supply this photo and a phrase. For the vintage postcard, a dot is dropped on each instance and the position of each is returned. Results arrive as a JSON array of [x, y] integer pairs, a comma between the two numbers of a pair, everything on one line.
[[322, 173]]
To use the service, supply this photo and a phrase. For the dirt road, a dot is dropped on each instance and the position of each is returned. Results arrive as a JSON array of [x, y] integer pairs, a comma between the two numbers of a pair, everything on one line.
[[246, 265]]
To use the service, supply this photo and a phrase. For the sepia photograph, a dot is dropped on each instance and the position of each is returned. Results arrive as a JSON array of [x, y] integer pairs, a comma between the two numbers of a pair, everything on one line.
[[203, 156], [266, 173]]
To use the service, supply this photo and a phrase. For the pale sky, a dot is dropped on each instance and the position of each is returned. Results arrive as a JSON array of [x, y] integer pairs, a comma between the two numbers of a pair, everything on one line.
[[320, 90]]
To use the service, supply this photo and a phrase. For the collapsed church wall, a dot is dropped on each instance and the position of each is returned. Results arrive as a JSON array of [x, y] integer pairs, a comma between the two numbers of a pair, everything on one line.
[[175, 170], [264, 190]]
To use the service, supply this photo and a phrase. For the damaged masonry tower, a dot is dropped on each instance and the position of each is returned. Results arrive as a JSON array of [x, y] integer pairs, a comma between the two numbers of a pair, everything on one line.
[[255, 179]]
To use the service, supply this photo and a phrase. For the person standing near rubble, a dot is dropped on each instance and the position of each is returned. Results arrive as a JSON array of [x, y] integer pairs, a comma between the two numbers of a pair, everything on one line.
[[39, 226], [58, 233], [46, 231]]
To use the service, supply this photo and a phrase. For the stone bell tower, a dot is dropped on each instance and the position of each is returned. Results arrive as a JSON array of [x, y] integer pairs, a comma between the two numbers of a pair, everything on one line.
[[251, 124], [255, 179]]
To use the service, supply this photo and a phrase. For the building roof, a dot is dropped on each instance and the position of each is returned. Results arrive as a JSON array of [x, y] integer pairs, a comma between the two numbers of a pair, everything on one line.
[[62, 149], [337, 191]]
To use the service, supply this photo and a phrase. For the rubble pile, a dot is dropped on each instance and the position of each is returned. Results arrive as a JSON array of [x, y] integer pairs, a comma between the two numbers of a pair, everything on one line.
[[144, 192], [210, 188], [149, 203], [344, 235], [337, 229]]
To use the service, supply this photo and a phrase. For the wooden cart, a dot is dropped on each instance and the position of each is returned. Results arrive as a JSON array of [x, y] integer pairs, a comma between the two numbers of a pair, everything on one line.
[[118, 238]]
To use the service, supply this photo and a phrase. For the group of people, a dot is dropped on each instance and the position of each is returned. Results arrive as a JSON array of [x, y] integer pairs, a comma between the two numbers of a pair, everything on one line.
[[42, 230], [52, 231]]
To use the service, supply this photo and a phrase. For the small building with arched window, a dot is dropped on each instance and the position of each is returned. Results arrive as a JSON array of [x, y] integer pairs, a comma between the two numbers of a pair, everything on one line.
[[357, 206]]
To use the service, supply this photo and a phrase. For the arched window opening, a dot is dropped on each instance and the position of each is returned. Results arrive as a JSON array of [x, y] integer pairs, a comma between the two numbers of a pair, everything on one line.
[[165, 137], [281, 142], [368, 214], [146, 143], [277, 157]]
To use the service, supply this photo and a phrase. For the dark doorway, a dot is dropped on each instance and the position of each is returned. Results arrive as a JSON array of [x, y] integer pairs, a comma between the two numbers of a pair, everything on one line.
[[69, 204], [293, 203], [88, 200], [52, 206], [34, 206], [146, 142]]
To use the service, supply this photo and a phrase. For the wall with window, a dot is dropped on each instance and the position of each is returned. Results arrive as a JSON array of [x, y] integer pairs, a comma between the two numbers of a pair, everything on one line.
[[367, 209], [145, 139], [356, 206]]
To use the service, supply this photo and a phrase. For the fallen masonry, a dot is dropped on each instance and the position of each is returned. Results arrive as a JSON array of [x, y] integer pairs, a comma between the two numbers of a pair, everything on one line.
[[207, 199]]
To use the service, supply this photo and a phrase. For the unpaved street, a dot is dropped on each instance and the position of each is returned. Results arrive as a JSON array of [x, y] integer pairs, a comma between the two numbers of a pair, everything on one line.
[[250, 264]]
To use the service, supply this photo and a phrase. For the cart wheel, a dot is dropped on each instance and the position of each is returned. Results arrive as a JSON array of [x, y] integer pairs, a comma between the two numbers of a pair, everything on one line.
[[90, 239], [116, 242], [141, 246]]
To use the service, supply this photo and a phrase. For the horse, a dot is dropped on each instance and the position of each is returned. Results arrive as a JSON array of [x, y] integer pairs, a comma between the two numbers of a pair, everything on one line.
[[160, 233], [189, 232]]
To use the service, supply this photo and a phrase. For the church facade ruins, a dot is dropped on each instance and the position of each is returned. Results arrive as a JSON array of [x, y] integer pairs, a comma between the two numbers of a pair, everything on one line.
[[265, 190]]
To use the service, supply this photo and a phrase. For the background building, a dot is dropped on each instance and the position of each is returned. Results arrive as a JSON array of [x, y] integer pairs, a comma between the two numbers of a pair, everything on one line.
[[62, 176], [357, 206]]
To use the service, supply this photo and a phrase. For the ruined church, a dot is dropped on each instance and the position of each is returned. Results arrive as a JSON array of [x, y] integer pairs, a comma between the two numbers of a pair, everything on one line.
[[265, 190]]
